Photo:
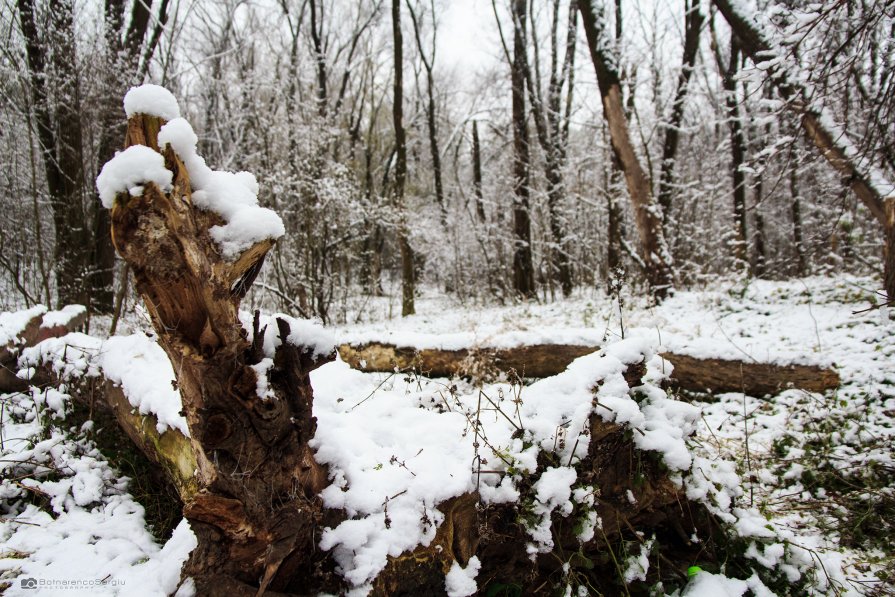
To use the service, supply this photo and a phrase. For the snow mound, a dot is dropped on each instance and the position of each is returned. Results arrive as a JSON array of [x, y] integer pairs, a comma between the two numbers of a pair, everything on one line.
[[136, 363], [142, 369], [12, 324], [63, 316], [233, 196], [153, 100], [129, 170], [302, 333]]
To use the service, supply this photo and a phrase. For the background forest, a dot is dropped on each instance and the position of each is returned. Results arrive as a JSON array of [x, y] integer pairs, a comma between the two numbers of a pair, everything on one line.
[[506, 186]]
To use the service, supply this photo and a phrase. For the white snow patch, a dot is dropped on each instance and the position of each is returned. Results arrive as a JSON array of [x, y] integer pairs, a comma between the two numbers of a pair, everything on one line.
[[233, 196], [12, 324], [63, 316], [459, 581], [153, 100], [135, 166], [142, 369]]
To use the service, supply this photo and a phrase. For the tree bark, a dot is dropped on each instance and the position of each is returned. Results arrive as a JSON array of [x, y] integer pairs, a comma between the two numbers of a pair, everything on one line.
[[256, 512], [477, 173], [653, 248], [549, 126], [408, 281], [55, 95], [127, 56], [523, 268], [693, 20], [796, 212], [319, 57], [434, 152], [737, 154]]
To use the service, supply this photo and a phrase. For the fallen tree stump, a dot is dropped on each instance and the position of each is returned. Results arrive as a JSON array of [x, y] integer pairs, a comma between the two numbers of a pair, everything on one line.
[[543, 360]]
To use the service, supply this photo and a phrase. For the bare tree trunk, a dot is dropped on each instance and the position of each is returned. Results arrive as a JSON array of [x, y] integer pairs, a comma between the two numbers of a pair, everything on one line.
[[319, 56], [831, 140], [128, 55], [523, 268], [59, 134], [428, 64], [477, 173], [614, 233], [760, 267], [693, 20], [654, 250], [550, 128], [408, 282], [556, 156], [796, 212], [256, 512], [739, 246]]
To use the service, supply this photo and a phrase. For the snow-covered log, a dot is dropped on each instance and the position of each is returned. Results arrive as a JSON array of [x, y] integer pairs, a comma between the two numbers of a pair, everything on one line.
[[22, 329], [543, 360], [536, 360]]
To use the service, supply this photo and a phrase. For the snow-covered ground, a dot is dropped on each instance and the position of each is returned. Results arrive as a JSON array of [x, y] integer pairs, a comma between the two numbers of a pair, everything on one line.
[[784, 470]]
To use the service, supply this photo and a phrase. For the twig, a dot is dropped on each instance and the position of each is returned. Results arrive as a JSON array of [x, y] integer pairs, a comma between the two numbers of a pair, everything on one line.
[[376, 389]]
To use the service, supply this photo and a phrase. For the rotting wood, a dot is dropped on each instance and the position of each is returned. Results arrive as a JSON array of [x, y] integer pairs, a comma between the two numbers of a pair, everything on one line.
[[543, 360], [170, 449]]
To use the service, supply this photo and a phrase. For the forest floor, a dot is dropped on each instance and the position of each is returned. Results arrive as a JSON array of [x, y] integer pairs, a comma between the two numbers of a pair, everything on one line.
[[818, 468], [821, 466]]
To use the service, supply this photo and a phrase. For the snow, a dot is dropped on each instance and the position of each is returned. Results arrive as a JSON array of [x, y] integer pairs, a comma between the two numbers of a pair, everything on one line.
[[129, 169], [92, 536], [136, 363], [638, 565], [233, 196], [459, 581], [63, 316], [143, 370], [153, 100], [302, 333], [391, 463], [706, 584], [553, 491], [14, 323]]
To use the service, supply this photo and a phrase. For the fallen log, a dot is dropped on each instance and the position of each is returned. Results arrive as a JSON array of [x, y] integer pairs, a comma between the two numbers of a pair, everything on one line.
[[34, 325], [755, 379], [539, 360], [104, 399], [543, 360], [170, 449]]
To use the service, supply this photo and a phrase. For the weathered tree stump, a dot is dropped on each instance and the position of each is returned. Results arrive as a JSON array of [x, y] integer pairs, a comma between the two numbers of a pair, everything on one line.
[[255, 513]]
